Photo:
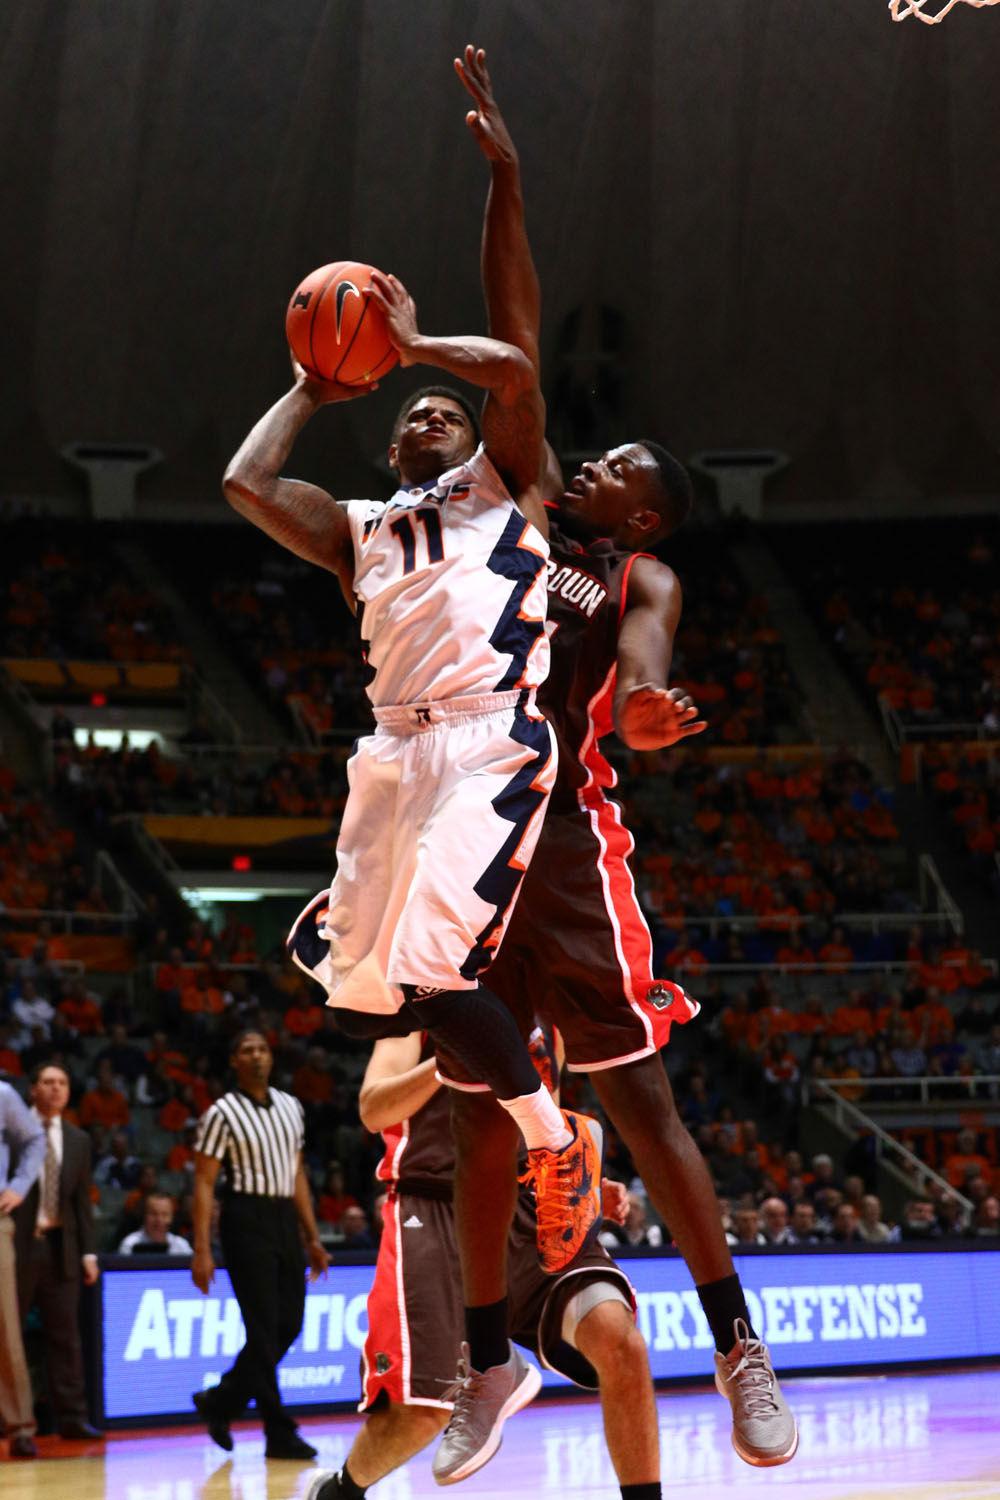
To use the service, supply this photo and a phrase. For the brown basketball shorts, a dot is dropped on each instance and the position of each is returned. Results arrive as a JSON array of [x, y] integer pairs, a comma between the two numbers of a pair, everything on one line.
[[578, 950], [415, 1316]]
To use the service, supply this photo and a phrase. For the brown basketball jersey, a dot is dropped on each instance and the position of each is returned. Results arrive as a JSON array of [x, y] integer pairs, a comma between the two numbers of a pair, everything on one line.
[[586, 603], [420, 1150]]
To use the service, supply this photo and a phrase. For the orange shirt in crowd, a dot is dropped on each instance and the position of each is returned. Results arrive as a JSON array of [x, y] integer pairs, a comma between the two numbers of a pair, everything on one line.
[[936, 1022], [331, 1206], [789, 955], [10, 1063], [82, 1016], [939, 976], [304, 1021], [170, 977], [774, 1020], [312, 1085], [179, 1157], [847, 1019], [736, 1025], [174, 1116], [956, 1166], [838, 954], [208, 1001], [106, 1107]]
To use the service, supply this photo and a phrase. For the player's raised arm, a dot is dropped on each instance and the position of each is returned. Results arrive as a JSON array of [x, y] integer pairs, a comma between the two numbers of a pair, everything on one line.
[[647, 714], [302, 517], [514, 413], [510, 281]]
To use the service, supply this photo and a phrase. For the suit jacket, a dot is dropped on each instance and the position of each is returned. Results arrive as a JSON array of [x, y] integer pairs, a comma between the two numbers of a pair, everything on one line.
[[75, 1208]]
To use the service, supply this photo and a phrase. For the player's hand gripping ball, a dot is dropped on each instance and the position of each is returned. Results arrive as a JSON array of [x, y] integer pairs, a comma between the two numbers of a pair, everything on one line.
[[335, 330]]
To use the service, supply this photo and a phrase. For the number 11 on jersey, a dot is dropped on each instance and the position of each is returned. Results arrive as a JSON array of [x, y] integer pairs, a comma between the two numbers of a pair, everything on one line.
[[403, 529]]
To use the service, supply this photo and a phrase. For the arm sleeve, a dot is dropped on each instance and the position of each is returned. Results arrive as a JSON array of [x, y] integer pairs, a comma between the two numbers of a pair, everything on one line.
[[213, 1134], [26, 1140]]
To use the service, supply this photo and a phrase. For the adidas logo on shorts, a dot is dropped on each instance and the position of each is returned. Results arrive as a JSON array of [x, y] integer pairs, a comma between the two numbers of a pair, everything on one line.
[[413, 1222]]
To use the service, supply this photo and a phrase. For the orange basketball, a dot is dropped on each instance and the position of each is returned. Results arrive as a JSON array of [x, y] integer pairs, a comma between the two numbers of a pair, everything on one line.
[[337, 332]]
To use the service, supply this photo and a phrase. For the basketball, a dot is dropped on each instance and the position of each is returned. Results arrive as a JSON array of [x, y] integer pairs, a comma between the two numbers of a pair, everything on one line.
[[335, 330]]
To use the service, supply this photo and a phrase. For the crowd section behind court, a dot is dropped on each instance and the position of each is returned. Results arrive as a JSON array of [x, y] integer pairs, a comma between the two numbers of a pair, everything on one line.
[[794, 860], [925, 635]]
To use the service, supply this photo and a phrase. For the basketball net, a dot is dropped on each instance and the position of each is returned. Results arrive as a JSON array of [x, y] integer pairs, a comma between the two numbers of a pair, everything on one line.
[[900, 9]]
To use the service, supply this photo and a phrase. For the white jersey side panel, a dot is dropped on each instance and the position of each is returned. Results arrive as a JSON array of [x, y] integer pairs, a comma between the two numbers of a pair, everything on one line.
[[451, 580]]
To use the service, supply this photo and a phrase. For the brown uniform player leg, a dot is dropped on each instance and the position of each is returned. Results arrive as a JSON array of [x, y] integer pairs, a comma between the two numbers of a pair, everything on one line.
[[639, 1101], [486, 1146]]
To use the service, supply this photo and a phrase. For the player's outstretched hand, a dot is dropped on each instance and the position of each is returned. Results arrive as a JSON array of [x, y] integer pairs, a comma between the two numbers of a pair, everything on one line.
[[485, 121], [324, 392], [614, 1200], [652, 718], [400, 313]]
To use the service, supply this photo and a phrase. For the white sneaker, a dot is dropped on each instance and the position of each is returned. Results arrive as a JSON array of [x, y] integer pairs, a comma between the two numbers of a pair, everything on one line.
[[764, 1430], [483, 1402]]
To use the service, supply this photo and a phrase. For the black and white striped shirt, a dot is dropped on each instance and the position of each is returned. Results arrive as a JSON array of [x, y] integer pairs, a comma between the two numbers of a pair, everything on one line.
[[259, 1142]]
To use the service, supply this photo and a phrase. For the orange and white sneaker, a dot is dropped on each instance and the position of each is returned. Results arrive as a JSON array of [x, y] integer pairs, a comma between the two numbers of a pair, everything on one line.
[[567, 1188]]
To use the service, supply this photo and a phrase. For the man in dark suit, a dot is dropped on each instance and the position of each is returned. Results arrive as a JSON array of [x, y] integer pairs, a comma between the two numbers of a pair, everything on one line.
[[54, 1235]]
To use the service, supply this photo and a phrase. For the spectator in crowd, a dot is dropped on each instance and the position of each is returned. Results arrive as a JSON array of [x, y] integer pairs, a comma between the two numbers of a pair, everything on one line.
[[987, 1055], [965, 1161], [826, 1203], [125, 1058], [871, 1227], [56, 1250], [637, 1230], [80, 1011], [919, 1221], [774, 1221], [846, 1229], [804, 1229], [34, 1012], [823, 1175], [861, 1056], [22, 1151], [986, 1222], [354, 1230], [854, 1190], [951, 1217], [746, 1229], [155, 1238], [104, 1104], [334, 1200]]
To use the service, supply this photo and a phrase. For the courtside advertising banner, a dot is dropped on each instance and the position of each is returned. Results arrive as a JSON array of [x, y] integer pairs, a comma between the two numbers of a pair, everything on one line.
[[162, 1339]]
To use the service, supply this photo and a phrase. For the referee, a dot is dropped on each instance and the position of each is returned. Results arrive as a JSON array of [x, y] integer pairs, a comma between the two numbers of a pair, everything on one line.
[[257, 1132]]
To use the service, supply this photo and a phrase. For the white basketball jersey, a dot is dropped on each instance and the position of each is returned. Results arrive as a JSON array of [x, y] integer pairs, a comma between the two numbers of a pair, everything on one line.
[[450, 578]]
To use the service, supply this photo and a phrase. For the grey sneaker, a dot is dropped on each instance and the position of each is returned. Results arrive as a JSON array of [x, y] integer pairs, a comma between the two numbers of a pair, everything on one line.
[[482, 1405], [764, 1430], [323, 1486]]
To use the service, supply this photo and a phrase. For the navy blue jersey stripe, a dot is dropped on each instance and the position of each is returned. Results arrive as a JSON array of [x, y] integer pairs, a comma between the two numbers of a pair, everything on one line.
[[514, 633], [518, 802]]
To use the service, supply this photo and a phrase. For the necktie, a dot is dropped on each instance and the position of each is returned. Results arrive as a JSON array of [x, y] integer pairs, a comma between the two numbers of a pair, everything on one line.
[[50, 1185]]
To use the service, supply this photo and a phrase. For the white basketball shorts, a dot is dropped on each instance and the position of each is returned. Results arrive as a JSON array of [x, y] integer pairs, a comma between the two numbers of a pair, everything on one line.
[[445, 806]]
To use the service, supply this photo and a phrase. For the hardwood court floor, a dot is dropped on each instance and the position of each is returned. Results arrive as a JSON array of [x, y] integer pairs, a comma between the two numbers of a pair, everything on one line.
[[916, 1437]]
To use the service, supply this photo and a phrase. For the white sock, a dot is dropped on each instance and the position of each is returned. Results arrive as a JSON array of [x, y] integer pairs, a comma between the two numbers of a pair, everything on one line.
[[539, 1119]]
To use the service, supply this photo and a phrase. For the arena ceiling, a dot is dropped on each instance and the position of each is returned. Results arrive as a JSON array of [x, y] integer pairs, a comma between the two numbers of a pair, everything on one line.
[[783, 214]]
